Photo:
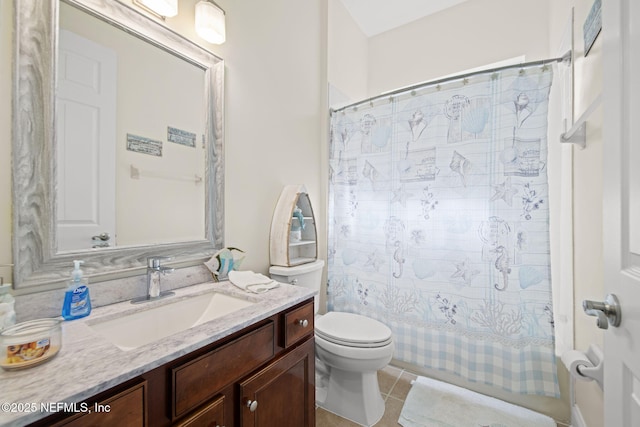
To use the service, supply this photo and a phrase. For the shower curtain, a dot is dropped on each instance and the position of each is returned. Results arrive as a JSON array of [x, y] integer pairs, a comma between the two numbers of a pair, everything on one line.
[[439, 225]]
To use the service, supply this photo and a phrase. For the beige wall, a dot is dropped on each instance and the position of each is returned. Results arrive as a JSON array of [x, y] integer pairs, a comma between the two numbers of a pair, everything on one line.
[[275, 116], [347, 56], [469, 35]]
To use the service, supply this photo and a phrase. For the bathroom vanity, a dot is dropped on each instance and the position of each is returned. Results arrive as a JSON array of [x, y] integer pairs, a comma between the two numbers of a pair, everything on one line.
[[241, 369]]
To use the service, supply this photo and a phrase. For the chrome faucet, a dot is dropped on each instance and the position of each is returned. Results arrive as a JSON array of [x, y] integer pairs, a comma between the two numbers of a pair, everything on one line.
[[154, 272]]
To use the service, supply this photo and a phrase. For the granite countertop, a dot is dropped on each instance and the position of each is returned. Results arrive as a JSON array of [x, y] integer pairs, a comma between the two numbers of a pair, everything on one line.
[[88, 364]]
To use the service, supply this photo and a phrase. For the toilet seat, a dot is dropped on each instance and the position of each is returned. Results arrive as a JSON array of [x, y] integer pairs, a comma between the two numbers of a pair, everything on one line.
[[352, 330]]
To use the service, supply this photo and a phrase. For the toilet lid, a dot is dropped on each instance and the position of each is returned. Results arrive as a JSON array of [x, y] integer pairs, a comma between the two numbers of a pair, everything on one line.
[[352, 330]]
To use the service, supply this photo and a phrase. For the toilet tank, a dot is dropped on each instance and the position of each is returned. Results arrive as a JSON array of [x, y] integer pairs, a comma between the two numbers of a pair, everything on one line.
[[308, 275]]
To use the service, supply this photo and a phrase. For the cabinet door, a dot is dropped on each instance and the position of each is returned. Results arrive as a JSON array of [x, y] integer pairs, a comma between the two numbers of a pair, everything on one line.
[[126, 408], [283, 393]]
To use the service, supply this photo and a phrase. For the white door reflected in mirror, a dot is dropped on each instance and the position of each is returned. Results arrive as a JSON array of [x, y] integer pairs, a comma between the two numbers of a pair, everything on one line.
[[122, 102], [86, 125]]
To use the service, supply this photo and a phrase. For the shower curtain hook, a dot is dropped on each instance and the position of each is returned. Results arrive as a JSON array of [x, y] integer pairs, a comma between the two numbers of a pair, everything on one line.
[[413, 93], [465, 81]]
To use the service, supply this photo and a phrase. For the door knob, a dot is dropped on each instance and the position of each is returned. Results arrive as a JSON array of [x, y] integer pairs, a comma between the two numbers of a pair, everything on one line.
[[101, 240], [607, 311], [102, 236], [252, 405]]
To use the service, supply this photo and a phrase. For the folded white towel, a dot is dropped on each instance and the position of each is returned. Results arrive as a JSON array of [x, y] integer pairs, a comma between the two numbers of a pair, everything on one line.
[[252, 282]]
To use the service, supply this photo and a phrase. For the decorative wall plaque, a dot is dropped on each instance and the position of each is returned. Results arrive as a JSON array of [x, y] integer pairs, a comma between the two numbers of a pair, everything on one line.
[[143, 145]]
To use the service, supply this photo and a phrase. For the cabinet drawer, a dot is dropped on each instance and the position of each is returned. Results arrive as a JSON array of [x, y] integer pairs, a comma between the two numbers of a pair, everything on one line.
[[196, 381], [298, 323], [128, 408], [210, 415]]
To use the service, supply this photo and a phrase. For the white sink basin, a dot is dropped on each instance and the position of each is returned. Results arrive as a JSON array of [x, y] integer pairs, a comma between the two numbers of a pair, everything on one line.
[[136, 329]]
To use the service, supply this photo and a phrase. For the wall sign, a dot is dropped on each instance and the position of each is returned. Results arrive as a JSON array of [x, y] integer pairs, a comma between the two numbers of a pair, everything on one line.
[[140, 144], [181, 137], [592, 26]]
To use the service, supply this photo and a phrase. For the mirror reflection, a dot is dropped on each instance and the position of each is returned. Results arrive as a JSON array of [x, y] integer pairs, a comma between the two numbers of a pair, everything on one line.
[[164, 205], [130, 141]]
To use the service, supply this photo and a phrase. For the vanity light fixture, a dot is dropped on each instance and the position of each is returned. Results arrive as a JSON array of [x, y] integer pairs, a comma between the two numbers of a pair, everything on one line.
[[210, 22], [161, 8]]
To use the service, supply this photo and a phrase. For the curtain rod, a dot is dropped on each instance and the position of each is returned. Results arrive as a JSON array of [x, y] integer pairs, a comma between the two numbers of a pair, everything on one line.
[[566, 58]]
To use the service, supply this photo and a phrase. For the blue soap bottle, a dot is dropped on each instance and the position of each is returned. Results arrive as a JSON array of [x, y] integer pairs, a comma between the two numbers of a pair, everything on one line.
[[77, 303]]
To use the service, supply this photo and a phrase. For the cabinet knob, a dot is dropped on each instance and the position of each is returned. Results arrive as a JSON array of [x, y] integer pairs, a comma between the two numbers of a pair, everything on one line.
[[303, 322], [252, 405]]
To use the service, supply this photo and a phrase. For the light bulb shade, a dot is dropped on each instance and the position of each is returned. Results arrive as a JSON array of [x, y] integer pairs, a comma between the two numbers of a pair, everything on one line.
[[210, 23], [166, 8]]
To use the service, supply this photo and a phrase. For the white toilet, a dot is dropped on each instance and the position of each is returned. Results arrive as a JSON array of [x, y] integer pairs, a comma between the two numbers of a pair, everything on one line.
[[350, 349]]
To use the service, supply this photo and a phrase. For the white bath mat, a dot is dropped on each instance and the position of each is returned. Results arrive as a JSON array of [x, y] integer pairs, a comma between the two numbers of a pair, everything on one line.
[[438, 404]]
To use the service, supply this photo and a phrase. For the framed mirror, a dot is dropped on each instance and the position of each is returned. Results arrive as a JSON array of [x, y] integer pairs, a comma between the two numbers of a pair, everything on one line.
[[168, 143]]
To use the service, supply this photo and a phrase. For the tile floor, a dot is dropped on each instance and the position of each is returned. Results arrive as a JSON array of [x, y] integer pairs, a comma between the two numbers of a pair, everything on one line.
[[395, 384]]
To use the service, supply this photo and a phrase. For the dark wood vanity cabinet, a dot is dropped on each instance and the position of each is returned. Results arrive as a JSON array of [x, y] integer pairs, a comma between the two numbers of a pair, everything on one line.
[[283, 393], [261, 376]]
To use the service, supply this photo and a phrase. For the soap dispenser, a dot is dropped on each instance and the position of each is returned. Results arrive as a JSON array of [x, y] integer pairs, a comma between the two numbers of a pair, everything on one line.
[[77, 303]]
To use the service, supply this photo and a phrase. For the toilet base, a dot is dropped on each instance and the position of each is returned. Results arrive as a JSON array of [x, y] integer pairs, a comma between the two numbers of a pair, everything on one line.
[[355, 396]]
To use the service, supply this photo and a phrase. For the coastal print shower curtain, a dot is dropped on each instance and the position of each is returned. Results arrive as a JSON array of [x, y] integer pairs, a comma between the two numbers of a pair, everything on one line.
[[439, 225]]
